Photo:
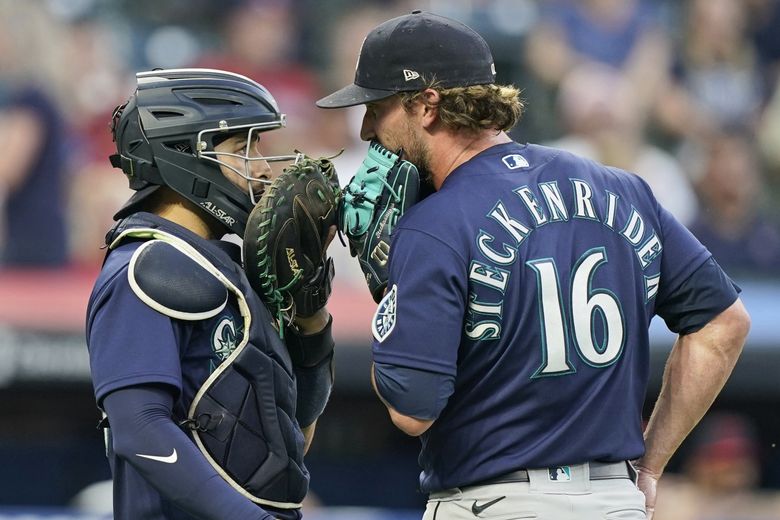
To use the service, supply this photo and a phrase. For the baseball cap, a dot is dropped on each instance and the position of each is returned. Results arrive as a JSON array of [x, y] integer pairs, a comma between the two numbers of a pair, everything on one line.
[[397, 54]]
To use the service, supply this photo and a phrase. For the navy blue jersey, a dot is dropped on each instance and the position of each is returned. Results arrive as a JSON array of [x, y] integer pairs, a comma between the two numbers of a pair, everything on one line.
[[131, 344], [178, 353], [531, 278]]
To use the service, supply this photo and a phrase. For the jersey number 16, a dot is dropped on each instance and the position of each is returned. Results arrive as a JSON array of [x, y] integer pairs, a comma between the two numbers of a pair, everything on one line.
[[580, 313]]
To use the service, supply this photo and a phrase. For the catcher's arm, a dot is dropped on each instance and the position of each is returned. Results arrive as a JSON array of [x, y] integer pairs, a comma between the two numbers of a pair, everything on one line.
[[308, 436], [310, 326], [285, 246], [145, 436], [313, 324], [312, 357]]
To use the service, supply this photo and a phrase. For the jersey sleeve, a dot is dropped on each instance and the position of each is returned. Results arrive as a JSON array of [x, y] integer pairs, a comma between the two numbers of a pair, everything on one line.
[[418, 324], [704, 295], [129, 342], [682, 253], [692, 287], [416, 393]]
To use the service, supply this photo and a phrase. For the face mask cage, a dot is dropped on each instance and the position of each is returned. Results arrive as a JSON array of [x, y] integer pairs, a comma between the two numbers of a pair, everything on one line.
[[247, 157]]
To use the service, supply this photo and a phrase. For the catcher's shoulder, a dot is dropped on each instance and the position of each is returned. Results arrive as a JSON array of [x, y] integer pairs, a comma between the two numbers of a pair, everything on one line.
[[174, 283]]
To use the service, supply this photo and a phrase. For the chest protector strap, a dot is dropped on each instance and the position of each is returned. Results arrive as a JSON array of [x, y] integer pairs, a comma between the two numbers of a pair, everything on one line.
[[234, 417]]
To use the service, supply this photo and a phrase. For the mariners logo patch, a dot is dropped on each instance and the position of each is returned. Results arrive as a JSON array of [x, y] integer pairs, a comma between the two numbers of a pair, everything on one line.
[[224, 340], [384, 318], [560, 473], [515, 161]]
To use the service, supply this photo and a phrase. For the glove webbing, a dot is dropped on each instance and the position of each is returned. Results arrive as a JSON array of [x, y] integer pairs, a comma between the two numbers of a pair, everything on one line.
[[274, 297]]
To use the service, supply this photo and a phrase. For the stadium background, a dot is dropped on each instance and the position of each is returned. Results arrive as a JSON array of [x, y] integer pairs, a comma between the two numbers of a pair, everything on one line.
[[682, 92]]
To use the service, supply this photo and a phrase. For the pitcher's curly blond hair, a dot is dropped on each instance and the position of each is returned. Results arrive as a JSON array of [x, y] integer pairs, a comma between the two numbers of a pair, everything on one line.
[[474, 108]]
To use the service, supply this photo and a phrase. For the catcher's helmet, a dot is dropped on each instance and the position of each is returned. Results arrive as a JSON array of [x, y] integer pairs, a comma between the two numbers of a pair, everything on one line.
[[165, 136]]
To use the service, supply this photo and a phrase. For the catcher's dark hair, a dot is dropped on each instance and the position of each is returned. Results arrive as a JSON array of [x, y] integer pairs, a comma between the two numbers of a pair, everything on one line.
[[475, 107]]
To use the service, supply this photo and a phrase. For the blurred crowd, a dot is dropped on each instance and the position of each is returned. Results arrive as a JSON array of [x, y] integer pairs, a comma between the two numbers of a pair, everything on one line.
[[685, 94], [719, 475]]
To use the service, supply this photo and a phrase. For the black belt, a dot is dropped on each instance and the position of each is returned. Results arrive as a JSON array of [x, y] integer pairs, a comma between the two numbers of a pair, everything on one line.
[[598, 471]]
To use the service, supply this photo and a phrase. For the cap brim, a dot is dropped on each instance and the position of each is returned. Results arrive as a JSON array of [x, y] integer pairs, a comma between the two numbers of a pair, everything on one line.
[[352, 95], [134, 202]]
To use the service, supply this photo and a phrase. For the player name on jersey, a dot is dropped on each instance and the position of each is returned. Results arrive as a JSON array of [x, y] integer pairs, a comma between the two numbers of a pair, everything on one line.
[[546, 204]]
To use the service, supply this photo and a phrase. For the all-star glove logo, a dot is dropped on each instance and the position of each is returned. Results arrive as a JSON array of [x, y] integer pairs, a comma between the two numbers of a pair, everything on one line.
[[384, 318]]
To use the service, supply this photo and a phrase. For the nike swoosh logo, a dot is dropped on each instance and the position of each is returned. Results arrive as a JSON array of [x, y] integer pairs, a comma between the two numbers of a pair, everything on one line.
[[170, 459], [477, 509]]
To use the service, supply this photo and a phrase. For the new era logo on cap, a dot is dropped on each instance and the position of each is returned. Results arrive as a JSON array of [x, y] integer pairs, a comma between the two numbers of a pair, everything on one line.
[[410, 75]]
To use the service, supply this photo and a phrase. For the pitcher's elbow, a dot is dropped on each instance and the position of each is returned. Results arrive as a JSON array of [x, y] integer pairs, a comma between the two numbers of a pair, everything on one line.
[[410, 425]]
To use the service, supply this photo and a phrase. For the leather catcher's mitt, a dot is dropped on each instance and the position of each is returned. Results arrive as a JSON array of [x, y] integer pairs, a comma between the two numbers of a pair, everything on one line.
[[284, 242], [382, 190]]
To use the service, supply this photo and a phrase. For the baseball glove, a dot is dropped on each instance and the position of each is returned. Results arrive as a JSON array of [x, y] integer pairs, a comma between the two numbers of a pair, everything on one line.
[[382, 190], [285, 238]]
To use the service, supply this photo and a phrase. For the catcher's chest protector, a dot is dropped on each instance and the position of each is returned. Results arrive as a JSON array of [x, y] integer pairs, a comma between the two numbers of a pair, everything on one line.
[[243, 416]]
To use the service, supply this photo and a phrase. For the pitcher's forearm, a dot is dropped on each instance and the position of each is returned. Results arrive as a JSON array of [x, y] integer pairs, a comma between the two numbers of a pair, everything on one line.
[[697, 369]]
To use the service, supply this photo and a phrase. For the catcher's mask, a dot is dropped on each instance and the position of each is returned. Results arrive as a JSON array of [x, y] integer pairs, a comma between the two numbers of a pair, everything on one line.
[[167, 131]]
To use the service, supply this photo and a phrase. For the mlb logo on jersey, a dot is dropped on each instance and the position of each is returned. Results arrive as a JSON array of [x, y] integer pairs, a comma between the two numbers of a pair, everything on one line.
[[384, 318], [560, 474], [515, 161]]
